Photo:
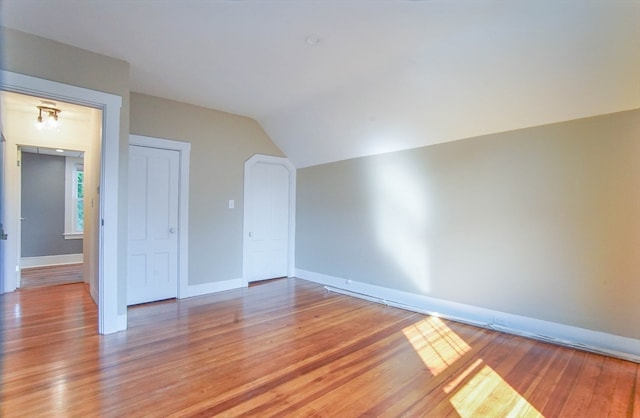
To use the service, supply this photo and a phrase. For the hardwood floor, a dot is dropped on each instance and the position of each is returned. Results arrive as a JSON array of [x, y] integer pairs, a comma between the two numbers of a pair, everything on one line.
[[288, 348], [50, 275]]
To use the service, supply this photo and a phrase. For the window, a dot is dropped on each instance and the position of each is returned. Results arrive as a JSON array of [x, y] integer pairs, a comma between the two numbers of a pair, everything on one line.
[[74, 198]]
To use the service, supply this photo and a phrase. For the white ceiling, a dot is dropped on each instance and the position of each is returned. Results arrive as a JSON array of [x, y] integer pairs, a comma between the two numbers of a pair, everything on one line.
[[385, 74]]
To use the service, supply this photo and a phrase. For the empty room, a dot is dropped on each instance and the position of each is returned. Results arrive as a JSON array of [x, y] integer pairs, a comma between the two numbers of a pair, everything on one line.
[[335, 208]]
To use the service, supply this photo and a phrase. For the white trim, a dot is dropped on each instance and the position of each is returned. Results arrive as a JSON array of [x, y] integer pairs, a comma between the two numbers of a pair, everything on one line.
[[51, 260], [291, 252], [184, 149], [70, 205], [571, 336], [73, 235], [108, 269], [213, 287], [122, 322]]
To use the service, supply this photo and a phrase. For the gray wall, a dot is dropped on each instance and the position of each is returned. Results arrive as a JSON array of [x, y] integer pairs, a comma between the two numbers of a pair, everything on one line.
[[220, 144], [541, 222], [43, 201]]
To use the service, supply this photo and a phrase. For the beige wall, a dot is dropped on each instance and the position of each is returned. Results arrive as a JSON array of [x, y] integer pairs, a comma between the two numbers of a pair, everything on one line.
[[541, 222], [39, 57], [220, 144]]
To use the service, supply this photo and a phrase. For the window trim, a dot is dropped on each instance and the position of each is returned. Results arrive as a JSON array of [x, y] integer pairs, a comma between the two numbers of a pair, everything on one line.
[[71, 165]]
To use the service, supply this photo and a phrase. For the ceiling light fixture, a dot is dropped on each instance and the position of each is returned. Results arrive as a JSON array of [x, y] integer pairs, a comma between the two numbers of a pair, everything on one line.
[[50, 120]]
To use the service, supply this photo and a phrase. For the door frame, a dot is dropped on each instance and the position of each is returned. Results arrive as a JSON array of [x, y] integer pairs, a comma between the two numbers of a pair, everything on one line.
[[108, 261], [291, 256], [184, 150]]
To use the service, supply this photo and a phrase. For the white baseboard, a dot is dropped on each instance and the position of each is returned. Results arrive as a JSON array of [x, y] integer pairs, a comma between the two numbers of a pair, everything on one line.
[[206, 288], [50, 260], [122, 322], [94, 294], [571, 336]]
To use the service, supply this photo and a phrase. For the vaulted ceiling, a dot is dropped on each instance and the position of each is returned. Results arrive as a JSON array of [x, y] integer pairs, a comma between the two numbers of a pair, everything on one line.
[[335, 79]]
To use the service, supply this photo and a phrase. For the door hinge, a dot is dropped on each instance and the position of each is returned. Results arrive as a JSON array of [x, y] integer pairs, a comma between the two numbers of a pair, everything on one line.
[[3, 235], [18, 163], [101, 222]]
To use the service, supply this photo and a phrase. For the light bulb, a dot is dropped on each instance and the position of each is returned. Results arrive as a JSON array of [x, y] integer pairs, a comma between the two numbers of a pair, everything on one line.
[[40, 123], [52, 120]]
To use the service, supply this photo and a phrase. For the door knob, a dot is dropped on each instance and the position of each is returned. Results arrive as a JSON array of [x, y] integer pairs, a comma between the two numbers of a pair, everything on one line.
[[172, 230]]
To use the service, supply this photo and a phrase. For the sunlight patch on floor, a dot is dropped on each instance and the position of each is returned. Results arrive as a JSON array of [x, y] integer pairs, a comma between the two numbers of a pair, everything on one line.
[[478, 391], [487, 394], [436, 344]]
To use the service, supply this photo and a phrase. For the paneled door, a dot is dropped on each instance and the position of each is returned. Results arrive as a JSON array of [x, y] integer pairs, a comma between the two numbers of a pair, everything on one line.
[[3, 235], [268, 226], [153, 224]]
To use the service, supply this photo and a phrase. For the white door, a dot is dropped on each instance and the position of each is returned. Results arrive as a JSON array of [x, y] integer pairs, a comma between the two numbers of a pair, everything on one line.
[[3, 236], [268, 226], [153, 225]]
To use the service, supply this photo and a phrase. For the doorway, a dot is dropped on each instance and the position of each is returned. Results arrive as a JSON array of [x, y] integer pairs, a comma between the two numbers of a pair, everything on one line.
[[269, 218], [52, 211], [50, 153], [107, 268]]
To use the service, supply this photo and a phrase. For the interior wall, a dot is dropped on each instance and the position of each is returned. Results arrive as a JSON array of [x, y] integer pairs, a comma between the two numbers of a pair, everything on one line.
[[541, 222], [220, 144], [43, 207], [91, 242], [39, 57]]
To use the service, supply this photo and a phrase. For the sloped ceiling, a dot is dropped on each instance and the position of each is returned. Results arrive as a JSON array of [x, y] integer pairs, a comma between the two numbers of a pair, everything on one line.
[[335, 79]]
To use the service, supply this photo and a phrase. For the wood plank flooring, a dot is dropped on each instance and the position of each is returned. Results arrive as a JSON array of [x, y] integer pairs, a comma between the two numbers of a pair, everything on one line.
[[288, 348], [50, 275]]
